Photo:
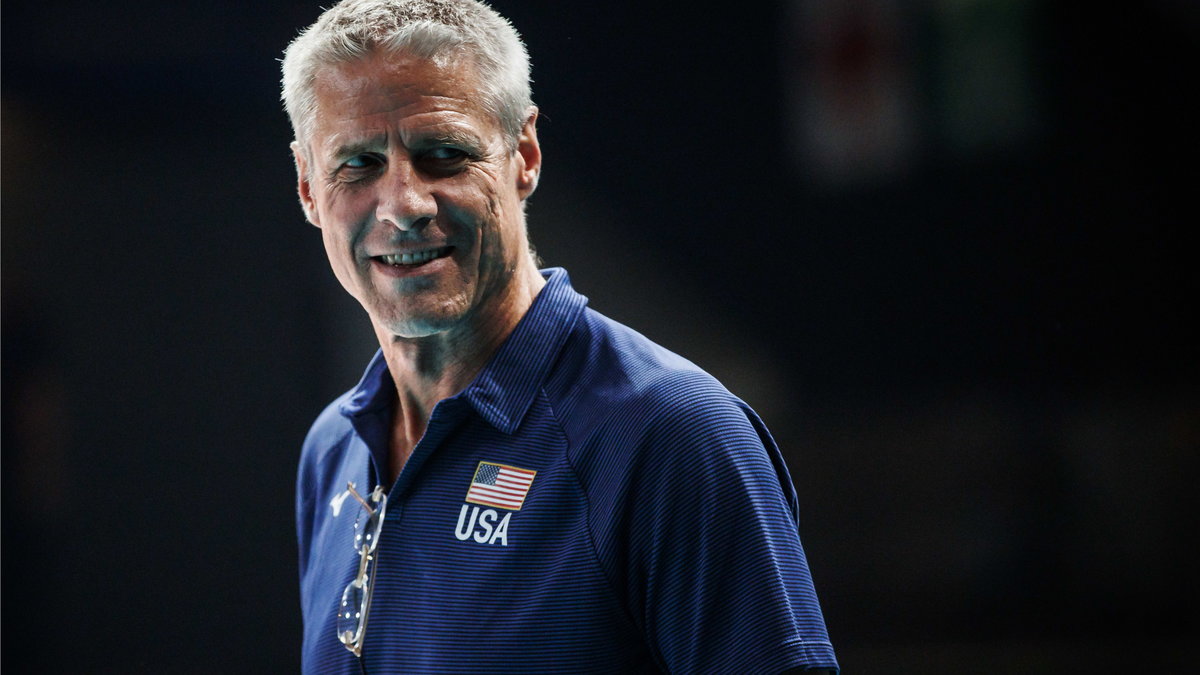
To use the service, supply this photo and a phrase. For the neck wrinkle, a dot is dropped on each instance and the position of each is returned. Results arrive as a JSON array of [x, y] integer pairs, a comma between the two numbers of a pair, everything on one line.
[[427, 370]]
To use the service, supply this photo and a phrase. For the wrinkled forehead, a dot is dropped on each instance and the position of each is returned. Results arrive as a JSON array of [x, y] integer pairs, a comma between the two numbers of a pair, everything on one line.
[[397, 83], [397, 73]]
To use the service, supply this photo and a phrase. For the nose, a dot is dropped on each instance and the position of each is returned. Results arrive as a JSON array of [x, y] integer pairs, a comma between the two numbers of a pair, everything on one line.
[[405, 200]]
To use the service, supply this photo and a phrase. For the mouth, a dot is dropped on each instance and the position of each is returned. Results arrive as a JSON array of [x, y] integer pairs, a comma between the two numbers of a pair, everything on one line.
[[414, 258]]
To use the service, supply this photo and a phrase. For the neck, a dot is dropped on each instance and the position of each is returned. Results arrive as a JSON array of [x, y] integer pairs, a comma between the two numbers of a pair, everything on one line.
[[428, 369]]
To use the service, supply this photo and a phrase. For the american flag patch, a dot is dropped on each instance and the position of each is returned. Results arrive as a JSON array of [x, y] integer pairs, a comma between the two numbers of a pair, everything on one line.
[[500, 485]]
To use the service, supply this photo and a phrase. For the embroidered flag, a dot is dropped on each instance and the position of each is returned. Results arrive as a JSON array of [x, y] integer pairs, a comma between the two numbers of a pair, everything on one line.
[[500, 485]]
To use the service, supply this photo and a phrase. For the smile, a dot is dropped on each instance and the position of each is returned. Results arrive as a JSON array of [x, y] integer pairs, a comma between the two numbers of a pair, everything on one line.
[[415, 257]]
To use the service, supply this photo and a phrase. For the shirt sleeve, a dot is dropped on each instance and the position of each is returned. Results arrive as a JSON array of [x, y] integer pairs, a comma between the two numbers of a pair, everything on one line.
[[327, 432], [709, 557]]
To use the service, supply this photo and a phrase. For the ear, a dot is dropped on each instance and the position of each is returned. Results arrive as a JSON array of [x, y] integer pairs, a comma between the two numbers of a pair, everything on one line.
[[529, 155], [303, 187]]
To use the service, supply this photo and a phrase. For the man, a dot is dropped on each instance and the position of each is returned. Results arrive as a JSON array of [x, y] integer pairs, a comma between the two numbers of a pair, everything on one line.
[[517, 484]]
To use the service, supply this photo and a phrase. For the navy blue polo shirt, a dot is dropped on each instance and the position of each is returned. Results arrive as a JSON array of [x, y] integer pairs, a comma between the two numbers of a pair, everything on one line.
[[590, 503]]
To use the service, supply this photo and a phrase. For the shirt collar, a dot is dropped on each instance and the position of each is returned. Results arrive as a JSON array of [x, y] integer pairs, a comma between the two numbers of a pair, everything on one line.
[[503, 391]]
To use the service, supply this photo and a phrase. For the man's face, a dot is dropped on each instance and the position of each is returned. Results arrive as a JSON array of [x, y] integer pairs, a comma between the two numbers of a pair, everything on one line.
[[418, 197]]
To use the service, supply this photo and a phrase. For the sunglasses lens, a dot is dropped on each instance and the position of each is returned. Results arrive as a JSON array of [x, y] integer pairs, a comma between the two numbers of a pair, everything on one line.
[[349, 619], [368, 533], [352, 612]]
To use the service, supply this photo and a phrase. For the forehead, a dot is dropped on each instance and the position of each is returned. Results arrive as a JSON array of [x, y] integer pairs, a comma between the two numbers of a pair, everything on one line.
[[397, 92]]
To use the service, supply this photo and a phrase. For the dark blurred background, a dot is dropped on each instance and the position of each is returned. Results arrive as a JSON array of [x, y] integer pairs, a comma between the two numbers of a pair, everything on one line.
[[940, 246]]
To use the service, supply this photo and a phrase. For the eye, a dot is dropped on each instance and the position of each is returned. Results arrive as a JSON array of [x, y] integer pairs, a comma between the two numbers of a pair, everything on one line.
[[445, 153], [443, 160], [360, 162], [359, 167]]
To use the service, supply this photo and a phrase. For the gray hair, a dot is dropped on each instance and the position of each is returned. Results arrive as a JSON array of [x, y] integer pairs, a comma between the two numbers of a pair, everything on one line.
[[428, 29]]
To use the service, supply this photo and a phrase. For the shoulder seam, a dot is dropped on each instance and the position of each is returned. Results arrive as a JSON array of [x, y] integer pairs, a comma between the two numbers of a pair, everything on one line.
[[340, 440]]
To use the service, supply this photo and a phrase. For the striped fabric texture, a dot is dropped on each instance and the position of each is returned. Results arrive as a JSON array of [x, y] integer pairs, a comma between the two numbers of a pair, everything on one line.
[[591, 503]]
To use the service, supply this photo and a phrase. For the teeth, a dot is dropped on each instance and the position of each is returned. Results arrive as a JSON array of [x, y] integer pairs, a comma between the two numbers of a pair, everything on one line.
[[415, 258]]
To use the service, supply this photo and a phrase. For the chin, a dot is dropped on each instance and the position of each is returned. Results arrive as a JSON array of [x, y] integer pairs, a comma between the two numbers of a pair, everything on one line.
[[413, 331], [418, 324]]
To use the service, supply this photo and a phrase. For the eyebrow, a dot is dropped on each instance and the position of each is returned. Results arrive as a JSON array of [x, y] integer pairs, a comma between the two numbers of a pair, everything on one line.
[[453, 136], [349, 148], [379, 142]]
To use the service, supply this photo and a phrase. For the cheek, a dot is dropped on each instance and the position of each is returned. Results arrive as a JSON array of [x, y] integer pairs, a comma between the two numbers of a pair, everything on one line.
[[501, 239], [473, 209], [342, 218], [339, 242], [336, 252], [341, 207]]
